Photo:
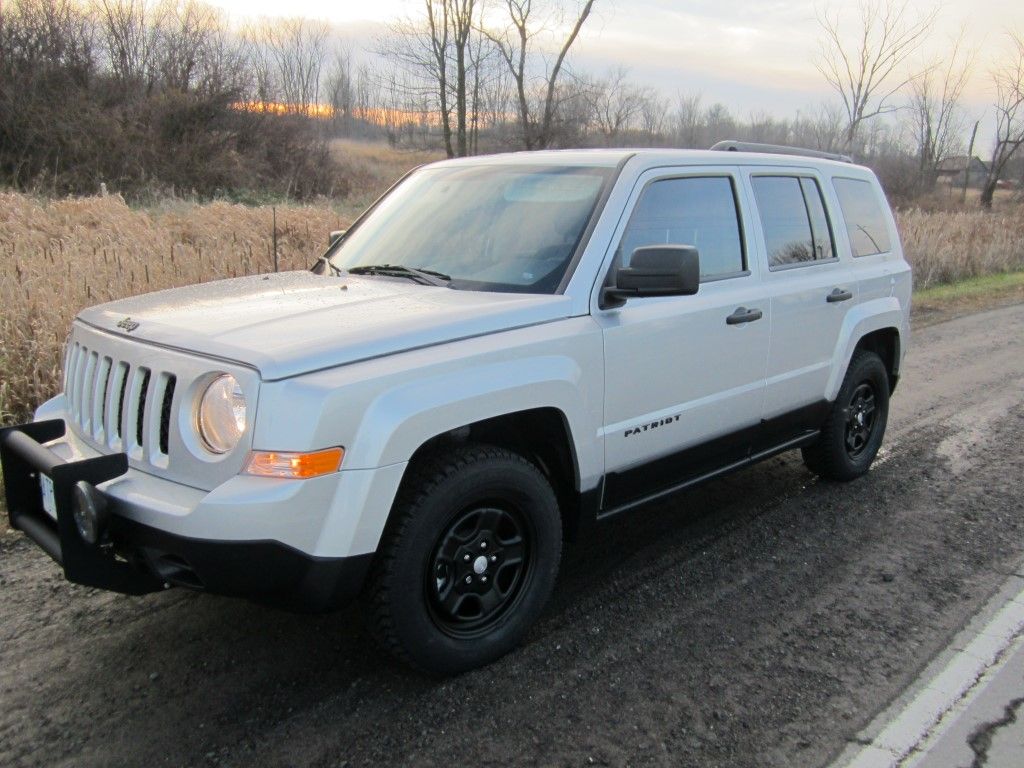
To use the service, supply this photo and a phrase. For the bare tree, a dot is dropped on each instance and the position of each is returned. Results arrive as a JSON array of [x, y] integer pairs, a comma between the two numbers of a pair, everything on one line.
[[688, 119], [367, 94], [866, 71], [440, 31], [184, 32], [287, 59], [298, 49], [654, 116], [935, 113], [439, 54], [462, 21], [517, 44], [341, 91], [719, 121], [224, 67], [264, 88], [764, 128], [478, 60], [496, 99], [129, 29], [616, 103], [825, 129], [1009, 107]]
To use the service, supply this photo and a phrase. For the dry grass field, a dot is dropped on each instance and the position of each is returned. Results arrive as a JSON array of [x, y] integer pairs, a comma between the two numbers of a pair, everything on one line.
[[372, 168], [59, 256], [948, 246]]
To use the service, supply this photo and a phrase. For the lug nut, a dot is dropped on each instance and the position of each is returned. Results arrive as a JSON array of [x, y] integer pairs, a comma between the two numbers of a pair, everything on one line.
[[483, 545], [469, 579], [483, 578], [494, 558], [466, 558]]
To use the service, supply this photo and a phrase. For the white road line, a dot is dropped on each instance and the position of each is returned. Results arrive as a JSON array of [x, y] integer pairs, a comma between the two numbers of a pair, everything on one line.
[[898, 737]]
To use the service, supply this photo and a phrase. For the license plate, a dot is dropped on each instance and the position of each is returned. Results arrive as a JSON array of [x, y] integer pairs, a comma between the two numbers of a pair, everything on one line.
[[49, 500]]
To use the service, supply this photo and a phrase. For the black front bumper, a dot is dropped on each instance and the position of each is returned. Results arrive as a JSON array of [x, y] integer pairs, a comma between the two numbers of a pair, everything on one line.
[[135, 559]]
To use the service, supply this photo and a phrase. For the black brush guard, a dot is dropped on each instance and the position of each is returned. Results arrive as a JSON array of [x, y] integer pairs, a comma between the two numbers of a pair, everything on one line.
[[24, 458], [149, 559]]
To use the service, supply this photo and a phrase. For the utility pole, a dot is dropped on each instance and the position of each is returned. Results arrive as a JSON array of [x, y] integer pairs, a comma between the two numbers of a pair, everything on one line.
[[273, 211], [967, 166]]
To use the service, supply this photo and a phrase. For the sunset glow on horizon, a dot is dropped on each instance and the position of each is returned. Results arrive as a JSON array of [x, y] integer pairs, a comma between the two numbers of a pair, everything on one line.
[[736, 52]]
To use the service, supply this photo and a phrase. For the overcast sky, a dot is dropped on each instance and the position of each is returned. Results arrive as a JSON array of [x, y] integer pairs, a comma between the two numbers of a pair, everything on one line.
[[750, 55]]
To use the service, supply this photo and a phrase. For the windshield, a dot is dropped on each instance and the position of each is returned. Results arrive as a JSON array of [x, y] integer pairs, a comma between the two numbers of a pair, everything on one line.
[[495, 228]]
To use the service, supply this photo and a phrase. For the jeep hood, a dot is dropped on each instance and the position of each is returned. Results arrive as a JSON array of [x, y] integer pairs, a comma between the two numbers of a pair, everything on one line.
[[295, 322]]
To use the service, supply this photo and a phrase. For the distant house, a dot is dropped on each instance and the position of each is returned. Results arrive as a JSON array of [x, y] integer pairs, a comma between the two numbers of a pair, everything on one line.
[[952, 170]]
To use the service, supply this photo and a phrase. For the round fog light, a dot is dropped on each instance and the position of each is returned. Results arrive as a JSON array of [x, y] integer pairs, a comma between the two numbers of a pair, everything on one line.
[[89, 510]]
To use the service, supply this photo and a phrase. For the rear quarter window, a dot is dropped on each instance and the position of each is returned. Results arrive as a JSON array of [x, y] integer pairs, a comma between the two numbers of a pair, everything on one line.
[[866, 222]]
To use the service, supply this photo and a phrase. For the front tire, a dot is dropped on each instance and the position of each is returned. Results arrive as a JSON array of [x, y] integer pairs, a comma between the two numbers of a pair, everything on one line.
[[855, 426], [467, 562]]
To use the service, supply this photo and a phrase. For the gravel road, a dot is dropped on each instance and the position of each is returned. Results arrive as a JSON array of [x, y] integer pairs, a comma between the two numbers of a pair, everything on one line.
[[761, 620]]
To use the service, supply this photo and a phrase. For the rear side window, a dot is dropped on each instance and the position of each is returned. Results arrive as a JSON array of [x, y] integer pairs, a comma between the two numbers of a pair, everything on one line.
[[697, 211], [793, 218], [865, 220]]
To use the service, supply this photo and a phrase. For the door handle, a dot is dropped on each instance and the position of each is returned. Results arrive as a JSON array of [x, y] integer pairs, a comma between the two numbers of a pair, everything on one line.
[[838, 294], [744, 315]]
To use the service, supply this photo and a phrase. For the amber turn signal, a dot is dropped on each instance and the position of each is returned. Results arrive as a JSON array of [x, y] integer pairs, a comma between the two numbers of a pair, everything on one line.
[[292, 465]]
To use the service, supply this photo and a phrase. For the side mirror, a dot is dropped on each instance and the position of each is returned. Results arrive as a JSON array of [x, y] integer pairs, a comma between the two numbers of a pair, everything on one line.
[[335, 236], [655, 270]]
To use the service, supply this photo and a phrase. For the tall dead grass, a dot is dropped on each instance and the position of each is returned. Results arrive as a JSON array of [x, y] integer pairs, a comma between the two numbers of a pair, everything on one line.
[[944, 247], [371, 168], [59, 256]]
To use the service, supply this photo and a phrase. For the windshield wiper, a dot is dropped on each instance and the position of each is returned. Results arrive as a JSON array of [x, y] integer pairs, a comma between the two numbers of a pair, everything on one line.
[[425, 276]]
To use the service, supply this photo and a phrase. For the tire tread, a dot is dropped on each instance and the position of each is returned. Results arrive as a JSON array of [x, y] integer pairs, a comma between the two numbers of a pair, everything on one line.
[[422, 481], [825, 456]]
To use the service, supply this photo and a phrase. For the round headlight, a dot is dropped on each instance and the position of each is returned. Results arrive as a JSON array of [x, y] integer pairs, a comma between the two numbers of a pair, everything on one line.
[[221, 418]]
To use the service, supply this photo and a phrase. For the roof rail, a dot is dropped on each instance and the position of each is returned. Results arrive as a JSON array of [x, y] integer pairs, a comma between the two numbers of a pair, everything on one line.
[[730, 145]]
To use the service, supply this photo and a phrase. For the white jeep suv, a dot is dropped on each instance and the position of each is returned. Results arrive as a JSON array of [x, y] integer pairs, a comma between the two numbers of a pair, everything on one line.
[[499, 352]]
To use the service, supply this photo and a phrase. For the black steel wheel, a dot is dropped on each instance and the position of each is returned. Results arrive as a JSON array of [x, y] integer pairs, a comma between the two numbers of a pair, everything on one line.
[[860, 419], [853, 432], [468, 559], [478, 570]]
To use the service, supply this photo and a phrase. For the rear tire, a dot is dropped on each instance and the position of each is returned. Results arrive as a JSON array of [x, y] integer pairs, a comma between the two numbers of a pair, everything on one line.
[[468, 560], [855, 427]]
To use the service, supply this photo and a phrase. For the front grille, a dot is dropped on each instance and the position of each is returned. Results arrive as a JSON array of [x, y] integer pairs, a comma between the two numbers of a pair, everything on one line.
[[141, 412], [127, 395], [121, 387], [165, 414], [118, 405]]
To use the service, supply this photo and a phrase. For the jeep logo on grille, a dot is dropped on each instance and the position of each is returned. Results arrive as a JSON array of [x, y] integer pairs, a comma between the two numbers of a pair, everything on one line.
[[128, 324]]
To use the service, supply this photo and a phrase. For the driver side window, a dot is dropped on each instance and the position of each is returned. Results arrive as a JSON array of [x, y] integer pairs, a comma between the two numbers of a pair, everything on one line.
[[699, 211]]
